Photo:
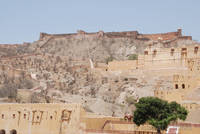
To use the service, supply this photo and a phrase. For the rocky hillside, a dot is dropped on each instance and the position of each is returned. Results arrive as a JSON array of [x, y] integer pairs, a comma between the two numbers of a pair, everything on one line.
[[98, 49], [56, 68]]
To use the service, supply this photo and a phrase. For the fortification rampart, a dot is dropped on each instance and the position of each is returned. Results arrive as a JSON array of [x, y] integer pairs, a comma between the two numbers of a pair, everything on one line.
[[162, 36], [126, 34]]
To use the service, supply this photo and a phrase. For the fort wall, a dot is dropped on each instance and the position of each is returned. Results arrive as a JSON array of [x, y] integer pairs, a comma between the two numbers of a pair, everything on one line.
[[163, 36], [126, 34]]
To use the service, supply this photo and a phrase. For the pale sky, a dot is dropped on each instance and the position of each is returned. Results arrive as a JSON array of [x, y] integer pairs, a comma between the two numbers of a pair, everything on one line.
[[23, 20]]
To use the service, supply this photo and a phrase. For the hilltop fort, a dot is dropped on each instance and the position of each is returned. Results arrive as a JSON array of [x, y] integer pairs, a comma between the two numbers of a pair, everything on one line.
[[105, 72]]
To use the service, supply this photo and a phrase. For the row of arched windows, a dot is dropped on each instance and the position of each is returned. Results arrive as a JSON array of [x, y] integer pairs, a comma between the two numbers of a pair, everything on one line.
[[183, 51], [13, 131], [25, 116], [182, 86], [13, 116]]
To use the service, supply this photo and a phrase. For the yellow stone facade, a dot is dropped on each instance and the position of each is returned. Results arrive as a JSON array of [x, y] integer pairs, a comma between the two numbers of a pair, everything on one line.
[[53, 118], [158, 58], [40, 118], [183, 63]]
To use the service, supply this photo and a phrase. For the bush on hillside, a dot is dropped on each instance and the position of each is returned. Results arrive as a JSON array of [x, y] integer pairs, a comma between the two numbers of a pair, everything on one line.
[[133, 57]]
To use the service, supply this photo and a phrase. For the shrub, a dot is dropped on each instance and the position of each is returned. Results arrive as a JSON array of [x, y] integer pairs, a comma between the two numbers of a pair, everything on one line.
[[109, 59], [8, 90], [130, 100], [35, 98], [133, 57], [27, 84]]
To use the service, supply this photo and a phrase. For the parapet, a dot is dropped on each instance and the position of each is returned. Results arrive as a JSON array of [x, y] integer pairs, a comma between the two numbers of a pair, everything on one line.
[[126, 34], [165, 36]]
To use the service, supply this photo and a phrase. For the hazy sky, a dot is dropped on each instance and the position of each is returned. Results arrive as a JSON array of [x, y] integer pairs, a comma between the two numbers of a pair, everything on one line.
[[23, 20]]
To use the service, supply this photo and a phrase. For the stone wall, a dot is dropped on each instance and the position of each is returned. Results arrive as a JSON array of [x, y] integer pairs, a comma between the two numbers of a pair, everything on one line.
[[68, 119], [156, 58], [127, 34], [40, 118]]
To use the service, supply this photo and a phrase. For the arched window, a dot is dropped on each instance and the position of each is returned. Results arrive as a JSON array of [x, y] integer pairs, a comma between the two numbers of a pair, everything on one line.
[[184, 52], [13, 131], [196, 50], [176, 86], [154, 52], [184, 49], [13, 116], [150, 45], [183, 86], [51, 117], [172, 52], [2, 131], [24, 116], [38, 117]]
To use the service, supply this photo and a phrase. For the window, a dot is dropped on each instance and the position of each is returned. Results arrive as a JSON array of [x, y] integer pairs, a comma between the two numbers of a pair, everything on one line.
[[172, 52], [38, 117], [2, 131], [2, 116], [125, 79], [13, 131], [24, 116], [184, 49], [176, 86], [51, 117], [116, 81], [13, 116], [183, 86], [184, 52], [196, 50], [154, 52], [150, 45], [145, 52]]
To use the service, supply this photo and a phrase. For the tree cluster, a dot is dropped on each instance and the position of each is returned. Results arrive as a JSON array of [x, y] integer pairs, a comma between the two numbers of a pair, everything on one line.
[[158, 113]]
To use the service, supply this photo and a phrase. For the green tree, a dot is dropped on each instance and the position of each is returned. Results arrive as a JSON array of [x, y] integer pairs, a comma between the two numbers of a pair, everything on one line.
[[158, 113]]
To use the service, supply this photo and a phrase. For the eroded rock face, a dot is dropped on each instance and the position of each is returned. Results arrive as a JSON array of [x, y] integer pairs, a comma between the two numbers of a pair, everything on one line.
[[97, 49]]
